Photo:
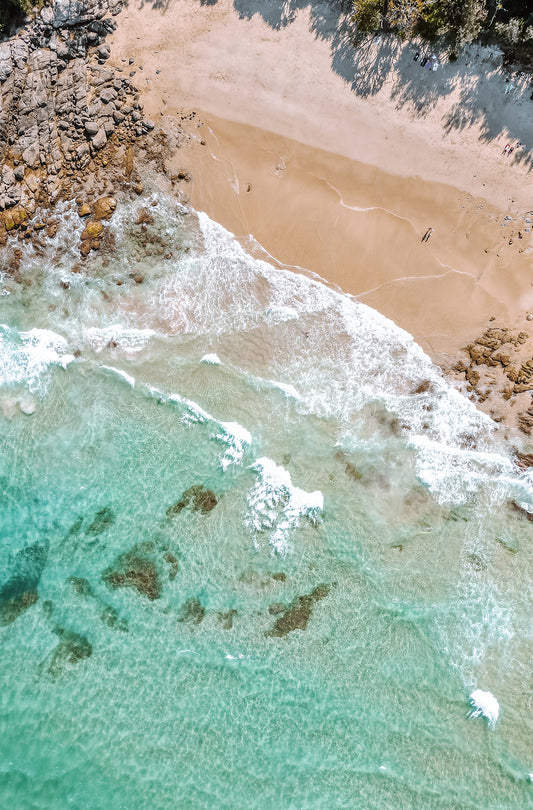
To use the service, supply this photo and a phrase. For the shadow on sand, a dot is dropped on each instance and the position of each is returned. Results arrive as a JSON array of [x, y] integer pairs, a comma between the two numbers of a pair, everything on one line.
[[369, 63]]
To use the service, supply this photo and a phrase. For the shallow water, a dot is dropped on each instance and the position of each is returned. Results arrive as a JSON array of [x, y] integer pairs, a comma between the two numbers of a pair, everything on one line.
[[255, 551]]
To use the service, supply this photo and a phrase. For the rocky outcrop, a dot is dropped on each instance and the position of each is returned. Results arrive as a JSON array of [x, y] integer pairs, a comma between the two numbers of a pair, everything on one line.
[[20, 591], [297, 615], [202, 500], [60, 105], [135, 569]]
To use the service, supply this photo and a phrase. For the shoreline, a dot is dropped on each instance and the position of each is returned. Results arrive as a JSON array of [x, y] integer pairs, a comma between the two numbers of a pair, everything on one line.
[[293, 153], [269, 144]]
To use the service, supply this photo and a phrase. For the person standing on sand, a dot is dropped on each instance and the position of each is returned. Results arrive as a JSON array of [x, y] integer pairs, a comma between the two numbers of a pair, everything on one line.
[[427, 234]]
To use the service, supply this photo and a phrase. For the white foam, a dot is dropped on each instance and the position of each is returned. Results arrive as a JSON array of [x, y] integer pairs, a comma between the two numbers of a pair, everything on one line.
[[127, 339], [25, 357], [238, 440], [485, 705], [119, 373], [211, 359], [288, 389], [277, 507]]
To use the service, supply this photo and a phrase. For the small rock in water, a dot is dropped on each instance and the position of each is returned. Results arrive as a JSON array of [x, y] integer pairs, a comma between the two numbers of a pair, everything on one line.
[[226, 618], [102, 520], [203, 500], [297, 615], [71, 649], [192, 611], [134, 569]]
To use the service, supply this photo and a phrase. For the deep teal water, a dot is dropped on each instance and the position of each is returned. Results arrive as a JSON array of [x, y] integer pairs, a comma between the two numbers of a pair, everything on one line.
[[311, 640]]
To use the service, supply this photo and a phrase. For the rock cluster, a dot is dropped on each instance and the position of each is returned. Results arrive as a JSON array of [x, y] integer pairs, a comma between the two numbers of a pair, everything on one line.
[[297, 615], [60, 105], [511, 371], [493, 349]]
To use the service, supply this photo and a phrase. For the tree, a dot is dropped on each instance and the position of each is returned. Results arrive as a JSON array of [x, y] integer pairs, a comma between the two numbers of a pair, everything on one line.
[[466, 18], [367, 15], [12, 10], [403, 16]]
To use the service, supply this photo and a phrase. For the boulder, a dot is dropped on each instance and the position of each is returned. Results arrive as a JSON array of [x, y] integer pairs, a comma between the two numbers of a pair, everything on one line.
[[297, 615], [91, 128], [104, 207], [20, 591], [92, 230], [99, 140], [134, 569]]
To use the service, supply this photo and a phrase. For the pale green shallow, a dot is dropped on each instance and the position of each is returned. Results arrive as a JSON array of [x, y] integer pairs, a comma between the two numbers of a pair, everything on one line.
[[428, 568]]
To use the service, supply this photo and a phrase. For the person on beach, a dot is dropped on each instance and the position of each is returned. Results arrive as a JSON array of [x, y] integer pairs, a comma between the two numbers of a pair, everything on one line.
[[427, 234], [506, 148]]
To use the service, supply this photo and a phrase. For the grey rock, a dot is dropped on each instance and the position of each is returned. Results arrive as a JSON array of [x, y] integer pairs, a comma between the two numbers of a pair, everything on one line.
[[73, 13], [109, 126], [118, 116], [7, 178], [148, 124], [135, 116], [19, 173], [108, 95], [83, 155], [30, 155], [6, 64], [91, 128], [100, 139]]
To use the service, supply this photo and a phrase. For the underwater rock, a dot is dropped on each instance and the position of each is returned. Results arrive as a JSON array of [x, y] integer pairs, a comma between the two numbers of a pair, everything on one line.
[[277, 608], [173, 563], [112, 618], [81, 585], [279, 576], [203, 500], [297, 615], [192, 611], [102, 520], [134, 570], [352, 472], [476, 562], [143, 217], [20, 591], [72, 648], [226, 618], [422, 388]]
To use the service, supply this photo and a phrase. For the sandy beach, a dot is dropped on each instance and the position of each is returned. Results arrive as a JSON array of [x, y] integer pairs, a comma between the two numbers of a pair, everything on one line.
[[337, 158]]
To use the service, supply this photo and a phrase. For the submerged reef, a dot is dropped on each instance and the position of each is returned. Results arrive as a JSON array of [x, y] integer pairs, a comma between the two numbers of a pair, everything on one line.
[[71, 649], [203, 500], [297, 615], [192, 611], [135, 569], [20, 591]]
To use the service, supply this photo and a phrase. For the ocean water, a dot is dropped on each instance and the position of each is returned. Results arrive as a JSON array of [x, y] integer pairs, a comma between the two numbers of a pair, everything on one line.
[[255, 552]]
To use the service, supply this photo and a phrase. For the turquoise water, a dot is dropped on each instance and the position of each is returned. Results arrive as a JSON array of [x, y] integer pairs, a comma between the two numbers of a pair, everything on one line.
[[255, 552]]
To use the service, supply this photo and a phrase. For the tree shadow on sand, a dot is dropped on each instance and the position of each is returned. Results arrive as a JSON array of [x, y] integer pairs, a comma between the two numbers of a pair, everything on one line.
[[369, 63]]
